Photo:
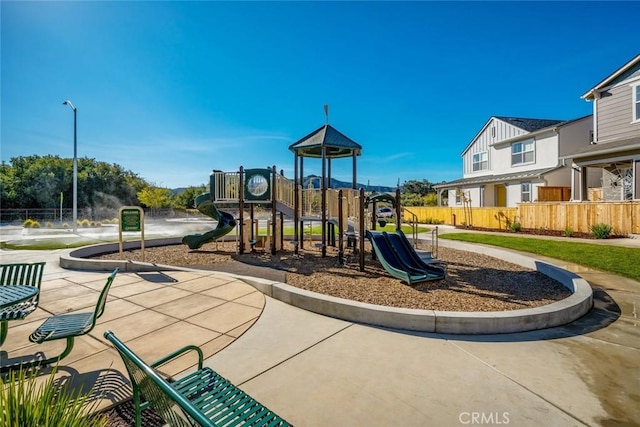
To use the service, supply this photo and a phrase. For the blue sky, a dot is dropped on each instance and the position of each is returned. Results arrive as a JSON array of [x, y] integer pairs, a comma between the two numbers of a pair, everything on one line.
[[172, 90]]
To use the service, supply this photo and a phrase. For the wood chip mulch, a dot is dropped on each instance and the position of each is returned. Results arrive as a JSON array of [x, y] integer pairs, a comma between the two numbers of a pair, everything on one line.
[[474, 282]]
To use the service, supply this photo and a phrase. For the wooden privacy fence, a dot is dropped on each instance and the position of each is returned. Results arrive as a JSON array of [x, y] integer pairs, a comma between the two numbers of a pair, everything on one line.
[[624, 217], [478, 217], [554, 194]]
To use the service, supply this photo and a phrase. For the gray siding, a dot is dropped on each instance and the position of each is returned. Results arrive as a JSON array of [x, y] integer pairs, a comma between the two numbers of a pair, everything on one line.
[[614, 115], [575, 136]]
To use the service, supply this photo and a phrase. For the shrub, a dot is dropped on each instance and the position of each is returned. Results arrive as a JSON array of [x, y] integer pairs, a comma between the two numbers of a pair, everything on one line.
[[515, 227], [30, 223], [49, 404], [65, 225], [48, 224], [601, 231], [84, 223], [568, 232]]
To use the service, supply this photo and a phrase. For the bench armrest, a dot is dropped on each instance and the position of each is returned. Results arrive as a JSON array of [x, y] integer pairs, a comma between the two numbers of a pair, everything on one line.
[[169, 357]]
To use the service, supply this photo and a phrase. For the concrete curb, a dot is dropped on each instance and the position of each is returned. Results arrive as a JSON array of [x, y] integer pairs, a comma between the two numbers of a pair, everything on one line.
[[76, 258], [450, 322]]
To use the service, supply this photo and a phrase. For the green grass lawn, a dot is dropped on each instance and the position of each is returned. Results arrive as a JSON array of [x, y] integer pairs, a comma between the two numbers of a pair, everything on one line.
[[58, 243], [614, 259]]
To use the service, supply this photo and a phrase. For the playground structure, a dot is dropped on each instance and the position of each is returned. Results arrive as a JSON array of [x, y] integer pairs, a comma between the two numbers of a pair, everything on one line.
[[342, 213]]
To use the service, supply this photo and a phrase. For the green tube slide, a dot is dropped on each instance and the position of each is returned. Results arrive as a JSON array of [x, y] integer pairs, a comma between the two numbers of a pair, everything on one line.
[[226, 223]]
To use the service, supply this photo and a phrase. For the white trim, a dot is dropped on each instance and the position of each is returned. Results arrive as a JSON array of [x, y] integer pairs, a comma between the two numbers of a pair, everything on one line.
[[600, 86], [533, 150], [522, 193], [595, 119], [479, 153], [635, 102], [617, 159], [530, 135]]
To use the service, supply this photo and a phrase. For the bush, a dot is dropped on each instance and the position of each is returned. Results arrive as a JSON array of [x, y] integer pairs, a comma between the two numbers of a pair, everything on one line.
[[515, 227], [65, 225], [30, 223], [48, 224], [84, 223], [49, 404], [601, 231], [568, 232]]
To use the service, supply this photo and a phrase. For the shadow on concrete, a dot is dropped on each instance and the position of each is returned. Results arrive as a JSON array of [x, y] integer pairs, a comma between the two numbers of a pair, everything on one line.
[[104, 384], [156, 277]]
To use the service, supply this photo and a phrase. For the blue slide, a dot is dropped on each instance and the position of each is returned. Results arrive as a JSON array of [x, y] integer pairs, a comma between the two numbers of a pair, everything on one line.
[[400, 259], [226, 223]]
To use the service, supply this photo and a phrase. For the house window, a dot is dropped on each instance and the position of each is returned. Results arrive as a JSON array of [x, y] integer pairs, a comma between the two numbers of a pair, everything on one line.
[[525, 191], [522, 152], [458, 197], [636, 103], [480, 161]]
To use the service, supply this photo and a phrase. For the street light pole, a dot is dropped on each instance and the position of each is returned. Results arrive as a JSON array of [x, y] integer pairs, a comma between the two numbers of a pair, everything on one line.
[[75, 165]]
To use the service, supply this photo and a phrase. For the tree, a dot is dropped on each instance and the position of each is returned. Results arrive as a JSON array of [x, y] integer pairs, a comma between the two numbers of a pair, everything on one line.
[[411, 199], [155, 198], [7, 190], [422, 188], [431, 199], [185, 199], [37, 181]]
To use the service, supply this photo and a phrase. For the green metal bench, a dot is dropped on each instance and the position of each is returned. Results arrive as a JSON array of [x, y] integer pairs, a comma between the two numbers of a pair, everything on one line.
[[201, 398], [25, 274], [70, 325]]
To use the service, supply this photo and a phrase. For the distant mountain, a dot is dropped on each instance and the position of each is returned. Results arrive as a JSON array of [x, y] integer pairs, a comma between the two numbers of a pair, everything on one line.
[[335, 183]]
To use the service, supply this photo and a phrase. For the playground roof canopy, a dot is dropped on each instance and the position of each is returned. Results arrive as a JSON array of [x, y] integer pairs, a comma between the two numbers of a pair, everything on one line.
[[337, 144]]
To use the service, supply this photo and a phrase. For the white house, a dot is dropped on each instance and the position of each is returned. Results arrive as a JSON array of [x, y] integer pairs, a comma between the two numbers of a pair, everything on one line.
[[511, 158], [613, 156]]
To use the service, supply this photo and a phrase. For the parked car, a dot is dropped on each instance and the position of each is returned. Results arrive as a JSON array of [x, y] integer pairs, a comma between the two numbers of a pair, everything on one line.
[[385, 212]]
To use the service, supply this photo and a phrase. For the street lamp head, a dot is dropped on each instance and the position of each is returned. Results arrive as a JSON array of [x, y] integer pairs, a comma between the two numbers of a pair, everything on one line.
[[67, 102]]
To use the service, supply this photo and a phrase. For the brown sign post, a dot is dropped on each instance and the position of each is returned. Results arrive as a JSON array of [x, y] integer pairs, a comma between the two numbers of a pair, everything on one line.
[[131, 218]]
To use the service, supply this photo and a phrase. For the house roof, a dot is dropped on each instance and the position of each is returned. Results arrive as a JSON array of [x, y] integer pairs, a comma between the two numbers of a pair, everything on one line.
[[485, 179], [608, 80], [336, 143], [610, 148], [530, 125]]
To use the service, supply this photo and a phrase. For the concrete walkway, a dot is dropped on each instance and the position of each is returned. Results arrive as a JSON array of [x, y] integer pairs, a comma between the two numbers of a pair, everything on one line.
[[319, 371]]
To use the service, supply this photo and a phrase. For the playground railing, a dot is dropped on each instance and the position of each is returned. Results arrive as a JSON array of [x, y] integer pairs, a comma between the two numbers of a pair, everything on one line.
[[227, 187], [285, 191]]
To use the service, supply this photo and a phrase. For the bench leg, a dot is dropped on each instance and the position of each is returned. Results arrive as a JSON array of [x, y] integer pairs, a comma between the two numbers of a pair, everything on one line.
[[38, 363], [4, 328], [62, 355]]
